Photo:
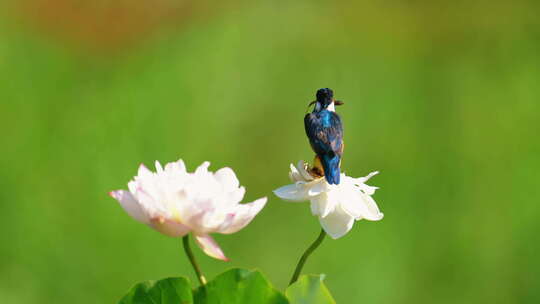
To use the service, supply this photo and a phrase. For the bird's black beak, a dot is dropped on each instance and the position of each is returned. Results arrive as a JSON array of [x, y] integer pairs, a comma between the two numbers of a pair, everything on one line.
[[338, 102], [311, 103]]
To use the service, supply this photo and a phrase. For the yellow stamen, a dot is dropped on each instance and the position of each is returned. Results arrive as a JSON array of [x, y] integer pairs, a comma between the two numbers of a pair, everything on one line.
[[317, 169]]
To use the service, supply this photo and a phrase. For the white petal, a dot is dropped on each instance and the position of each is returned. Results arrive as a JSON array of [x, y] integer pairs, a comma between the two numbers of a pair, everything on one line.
[[226, 223], [143, 171], [365, 178], [203, 168], [357, 203], [295, 193], [130, 205], [369, 190], [214, 220], [147, 197], [353, 204], [337, 223], [302, 169], [210, 247], [349, 197], [227, 178], [243, 215], [237, 195], [194, 216], [324, 203], [294, 175], [169, 227], [178, 166], [317, 187], [372, 210], [159, 168]]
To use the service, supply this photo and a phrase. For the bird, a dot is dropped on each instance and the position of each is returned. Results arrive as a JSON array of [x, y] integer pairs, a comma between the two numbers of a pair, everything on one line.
[[324, 130]]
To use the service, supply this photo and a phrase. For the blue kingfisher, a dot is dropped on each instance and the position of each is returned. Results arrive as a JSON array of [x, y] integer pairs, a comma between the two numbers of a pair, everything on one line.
[[325, 132]]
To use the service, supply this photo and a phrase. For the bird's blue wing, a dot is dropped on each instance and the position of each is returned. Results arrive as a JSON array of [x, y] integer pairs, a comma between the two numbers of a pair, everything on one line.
[[325, 132]]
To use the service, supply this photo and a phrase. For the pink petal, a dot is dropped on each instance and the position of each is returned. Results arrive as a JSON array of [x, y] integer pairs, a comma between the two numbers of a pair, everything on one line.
[[243, 215], [143, 171], [169, 227], [210, 247], [203, 168], [130, 205], [176, 166], [227, 178]]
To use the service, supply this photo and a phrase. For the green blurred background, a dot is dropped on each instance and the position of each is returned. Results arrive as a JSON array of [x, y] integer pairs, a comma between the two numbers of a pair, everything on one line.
[[442, 98]]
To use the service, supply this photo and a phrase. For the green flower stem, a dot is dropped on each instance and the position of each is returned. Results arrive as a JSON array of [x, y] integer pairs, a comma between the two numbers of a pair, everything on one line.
[[306, 254], [191, 258]]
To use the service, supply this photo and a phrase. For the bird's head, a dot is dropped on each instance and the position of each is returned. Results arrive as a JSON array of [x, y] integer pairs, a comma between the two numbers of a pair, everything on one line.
[[325, 98]]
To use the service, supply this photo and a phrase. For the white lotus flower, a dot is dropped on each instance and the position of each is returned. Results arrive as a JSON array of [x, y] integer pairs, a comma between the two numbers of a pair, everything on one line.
[[176, 202], [337, 206]]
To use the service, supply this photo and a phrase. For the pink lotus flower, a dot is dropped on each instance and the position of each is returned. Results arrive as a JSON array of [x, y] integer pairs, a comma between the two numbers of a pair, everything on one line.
[[176, 202]]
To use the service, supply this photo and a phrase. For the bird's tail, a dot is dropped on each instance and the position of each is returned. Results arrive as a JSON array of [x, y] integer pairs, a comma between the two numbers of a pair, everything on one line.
[[330, 163]]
